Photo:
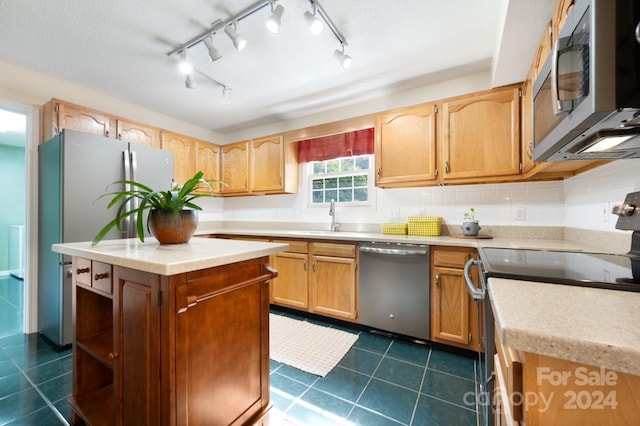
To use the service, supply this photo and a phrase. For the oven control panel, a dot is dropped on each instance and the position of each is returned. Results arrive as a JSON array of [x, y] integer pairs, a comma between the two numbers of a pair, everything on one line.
[[628, 212]]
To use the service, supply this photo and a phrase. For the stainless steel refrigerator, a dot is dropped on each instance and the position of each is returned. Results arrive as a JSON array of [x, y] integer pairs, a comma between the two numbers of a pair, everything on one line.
[[74, 169]]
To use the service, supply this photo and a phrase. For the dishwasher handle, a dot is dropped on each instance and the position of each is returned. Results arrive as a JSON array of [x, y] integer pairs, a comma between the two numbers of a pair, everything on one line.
[[475, 293], [397, 250]]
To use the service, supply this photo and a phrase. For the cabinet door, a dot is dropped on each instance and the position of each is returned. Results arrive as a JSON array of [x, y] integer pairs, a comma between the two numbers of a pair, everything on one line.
[[291, 287], [235, 168], [405, 146], [208, 162], [184, 157], [138, 133], [481, 135], [527, 124], [136, 367], [333, 286], [267, 164], [74, 117], [450, 303]]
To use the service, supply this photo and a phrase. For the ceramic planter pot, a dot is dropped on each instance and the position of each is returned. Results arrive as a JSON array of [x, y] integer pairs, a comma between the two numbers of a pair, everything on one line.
[[171, 229], [470, 229]]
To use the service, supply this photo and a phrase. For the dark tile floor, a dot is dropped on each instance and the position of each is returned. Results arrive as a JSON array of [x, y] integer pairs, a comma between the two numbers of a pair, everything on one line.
[[379, 381]]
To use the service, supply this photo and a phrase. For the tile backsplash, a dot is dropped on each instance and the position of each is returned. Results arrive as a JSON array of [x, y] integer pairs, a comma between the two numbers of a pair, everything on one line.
[[582, 201]]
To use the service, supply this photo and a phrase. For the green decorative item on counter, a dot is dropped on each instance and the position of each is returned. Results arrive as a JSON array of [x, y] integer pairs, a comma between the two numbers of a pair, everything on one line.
[[470, 225], [173, 215]]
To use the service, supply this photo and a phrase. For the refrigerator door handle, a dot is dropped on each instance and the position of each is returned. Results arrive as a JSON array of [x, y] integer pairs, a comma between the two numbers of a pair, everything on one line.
[[129, 225], [134, 201]]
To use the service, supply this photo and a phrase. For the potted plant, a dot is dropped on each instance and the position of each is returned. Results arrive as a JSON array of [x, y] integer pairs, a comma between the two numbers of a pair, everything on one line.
[[173, 216], [470, 226]]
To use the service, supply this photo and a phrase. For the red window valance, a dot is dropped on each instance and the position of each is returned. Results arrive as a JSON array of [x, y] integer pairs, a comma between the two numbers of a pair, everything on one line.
[[347, 144]]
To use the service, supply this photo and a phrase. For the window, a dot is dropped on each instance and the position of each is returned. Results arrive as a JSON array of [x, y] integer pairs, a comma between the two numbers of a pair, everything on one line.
[[347, 180]]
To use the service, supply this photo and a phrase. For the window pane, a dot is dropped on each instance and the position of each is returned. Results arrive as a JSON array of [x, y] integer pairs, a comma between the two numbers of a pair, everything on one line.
[[360, 180], [318, 184], [360, 194], [362, 163], [318, 196], [346, 164], [330, 195], [333, 166], [346, 182], [345, 196], [318, 167], [331, 183]]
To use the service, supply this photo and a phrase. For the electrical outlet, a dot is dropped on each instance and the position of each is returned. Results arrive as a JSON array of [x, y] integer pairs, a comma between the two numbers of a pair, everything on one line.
[[395, 213], [519, 213], [606, 211]]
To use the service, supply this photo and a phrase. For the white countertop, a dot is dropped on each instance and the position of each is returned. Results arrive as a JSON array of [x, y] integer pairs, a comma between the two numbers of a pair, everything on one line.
[[170, 259], [588, 325]]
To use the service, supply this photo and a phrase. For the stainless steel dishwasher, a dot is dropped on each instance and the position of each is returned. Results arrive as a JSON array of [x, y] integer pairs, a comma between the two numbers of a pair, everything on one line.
[[394, 288]]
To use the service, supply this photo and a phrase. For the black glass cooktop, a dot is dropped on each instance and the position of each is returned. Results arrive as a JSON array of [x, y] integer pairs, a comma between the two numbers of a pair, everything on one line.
[[611, 271]]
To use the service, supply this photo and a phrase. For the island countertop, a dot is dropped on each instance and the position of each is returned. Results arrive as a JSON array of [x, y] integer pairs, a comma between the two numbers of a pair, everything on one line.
[[170, 259], [588, 325]]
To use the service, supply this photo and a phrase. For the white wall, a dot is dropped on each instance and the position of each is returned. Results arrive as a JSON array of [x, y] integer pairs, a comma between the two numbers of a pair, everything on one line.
[[590, 195]]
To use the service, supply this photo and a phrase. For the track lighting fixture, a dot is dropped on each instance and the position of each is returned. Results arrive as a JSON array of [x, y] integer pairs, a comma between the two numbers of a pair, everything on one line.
[[190, 82], [273, 23], [315, 24], [226, 100], [344, 59], [239, 42], [214, 54], [184, 65], [317, 19]]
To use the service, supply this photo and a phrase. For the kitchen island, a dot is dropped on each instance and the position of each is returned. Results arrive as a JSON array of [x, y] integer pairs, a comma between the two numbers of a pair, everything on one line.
[[170, 334], [566, 354]]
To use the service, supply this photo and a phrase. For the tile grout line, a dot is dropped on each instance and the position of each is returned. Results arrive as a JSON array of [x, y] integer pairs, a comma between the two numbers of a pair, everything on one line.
[[42, 395], [424, 376]]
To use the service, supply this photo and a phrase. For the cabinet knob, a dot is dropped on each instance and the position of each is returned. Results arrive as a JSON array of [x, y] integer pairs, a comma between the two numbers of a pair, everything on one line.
[[438, 280], [113, 355], [83, 271], [446, 167], [101, 276]]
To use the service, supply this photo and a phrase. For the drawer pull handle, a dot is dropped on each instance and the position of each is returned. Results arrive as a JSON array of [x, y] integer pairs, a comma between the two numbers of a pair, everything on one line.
[[101, 276], [438, 280], [83, 270]]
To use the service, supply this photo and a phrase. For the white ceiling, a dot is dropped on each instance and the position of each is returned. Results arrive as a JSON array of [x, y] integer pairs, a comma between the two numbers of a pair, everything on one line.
[[119, 47]]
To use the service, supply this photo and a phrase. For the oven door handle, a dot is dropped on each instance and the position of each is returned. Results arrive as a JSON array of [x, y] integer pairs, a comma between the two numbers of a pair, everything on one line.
[[475, 293]]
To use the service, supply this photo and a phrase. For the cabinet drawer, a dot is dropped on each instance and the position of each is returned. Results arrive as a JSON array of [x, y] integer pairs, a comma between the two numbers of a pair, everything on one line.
[[294, 246], [337, 250], [452, 258], [82, 271], [510, 362], [101, 277]]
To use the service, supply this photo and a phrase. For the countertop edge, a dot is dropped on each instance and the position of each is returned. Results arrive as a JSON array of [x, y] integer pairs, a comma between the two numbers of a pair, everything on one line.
[[545, 330]]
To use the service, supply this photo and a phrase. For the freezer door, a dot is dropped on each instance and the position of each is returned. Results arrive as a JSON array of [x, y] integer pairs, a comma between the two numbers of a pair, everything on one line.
[[90, 164]]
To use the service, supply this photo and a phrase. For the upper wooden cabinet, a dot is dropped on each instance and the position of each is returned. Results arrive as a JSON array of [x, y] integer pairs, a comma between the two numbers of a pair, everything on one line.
[[184, 155], [560, 13], [208, 161], [138, 133], [274, 166], [235, 168], [405, 146], [480, 135], [260, 166], [58, 115], [526, 124]]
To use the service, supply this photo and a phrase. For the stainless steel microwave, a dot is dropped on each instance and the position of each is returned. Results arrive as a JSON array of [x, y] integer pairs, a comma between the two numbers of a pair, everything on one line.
[[586, 99]]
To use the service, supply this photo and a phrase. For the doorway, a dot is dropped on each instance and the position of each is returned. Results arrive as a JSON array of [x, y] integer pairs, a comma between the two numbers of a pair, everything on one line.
[[13, 220]]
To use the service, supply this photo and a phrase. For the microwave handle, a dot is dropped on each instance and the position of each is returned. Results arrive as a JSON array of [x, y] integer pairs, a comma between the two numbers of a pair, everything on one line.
[[555, 98]]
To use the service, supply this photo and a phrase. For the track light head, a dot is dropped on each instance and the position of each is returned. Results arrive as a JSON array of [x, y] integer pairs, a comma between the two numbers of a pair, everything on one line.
[[273, 23], [184, 65], [226, 100], [239, 42], [344, 59], [315, 24], [214, 54], [189, 82]]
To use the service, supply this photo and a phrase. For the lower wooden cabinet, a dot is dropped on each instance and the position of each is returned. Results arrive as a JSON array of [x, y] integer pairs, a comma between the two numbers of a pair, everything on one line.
[[291, 287], [454, 315], [190, 348], [333, 282]]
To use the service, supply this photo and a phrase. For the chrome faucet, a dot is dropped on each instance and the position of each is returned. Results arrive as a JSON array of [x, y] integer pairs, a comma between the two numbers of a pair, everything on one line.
[[332, 213]]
